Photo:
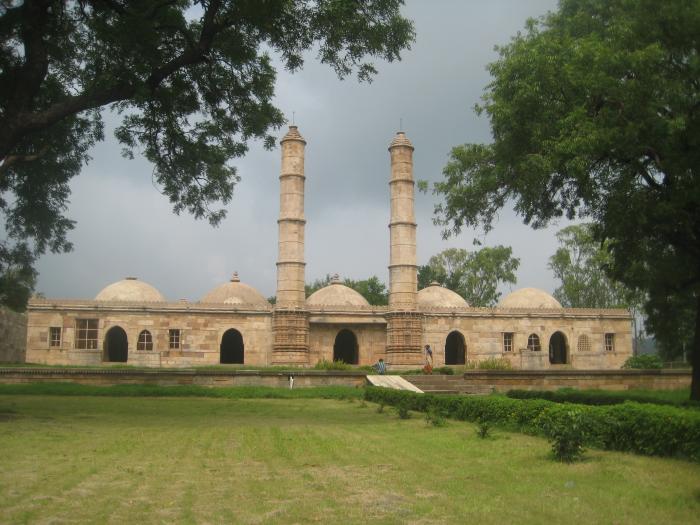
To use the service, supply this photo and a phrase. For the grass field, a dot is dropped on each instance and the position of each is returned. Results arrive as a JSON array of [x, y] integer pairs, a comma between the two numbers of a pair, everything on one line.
[[196, 460]]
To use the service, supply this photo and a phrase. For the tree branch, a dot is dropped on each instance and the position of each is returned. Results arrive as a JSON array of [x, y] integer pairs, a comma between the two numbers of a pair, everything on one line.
[[13, 159]]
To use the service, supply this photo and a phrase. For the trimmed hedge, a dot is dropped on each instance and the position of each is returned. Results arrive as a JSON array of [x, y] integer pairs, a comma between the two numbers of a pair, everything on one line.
[[629, 427], [605, 397]]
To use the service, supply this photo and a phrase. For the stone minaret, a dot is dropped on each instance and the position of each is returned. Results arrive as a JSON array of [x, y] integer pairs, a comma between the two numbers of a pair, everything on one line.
[[404, 325], [290, 320]]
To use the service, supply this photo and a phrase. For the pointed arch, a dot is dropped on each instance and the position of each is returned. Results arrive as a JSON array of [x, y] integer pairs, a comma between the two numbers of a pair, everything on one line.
[[558, 349], [232, 350], [116, 346], [345, 348], [455, 349]]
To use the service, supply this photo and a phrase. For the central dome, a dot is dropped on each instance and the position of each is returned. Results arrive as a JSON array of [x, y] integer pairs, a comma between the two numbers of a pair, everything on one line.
[[529, 298], [235, 292], [436, 296], [130, 289], [336, 294]]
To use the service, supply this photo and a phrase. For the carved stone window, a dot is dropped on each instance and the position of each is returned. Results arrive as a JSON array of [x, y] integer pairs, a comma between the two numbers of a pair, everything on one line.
[[174, 336], [145, 341], [507, 341], [584, 343], [86, 334], [609, 342], [55, 336], [533, 343]]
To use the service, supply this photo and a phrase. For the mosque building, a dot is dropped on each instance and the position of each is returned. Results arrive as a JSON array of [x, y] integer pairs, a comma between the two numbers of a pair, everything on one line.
[[131, 322]]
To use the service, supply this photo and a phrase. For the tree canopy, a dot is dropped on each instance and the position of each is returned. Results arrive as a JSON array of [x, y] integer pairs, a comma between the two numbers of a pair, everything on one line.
[[473, 275], [371, 288], [595, 113], [579, 264], [192, 79]]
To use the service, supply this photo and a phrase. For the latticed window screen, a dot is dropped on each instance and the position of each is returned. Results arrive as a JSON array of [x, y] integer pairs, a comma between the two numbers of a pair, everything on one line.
[[533, 343], [507, 341], [174, 338], [86, 334], [610, 342], [145, 341], [584, 343], [55, 336]]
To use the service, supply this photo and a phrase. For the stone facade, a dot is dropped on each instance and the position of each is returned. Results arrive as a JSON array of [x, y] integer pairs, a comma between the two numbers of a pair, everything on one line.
[[13, 336], [130, 321]]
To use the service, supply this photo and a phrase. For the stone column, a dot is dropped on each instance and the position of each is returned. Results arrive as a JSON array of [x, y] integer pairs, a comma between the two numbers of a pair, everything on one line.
[[404, 327], [290, 319]]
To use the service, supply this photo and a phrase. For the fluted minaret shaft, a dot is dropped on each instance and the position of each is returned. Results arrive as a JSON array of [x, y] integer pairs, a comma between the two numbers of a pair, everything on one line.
[[290, 260], [403, 276]]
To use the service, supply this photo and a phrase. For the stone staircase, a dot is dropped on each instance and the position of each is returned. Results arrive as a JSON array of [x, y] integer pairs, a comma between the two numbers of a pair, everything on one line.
[[443, 384]]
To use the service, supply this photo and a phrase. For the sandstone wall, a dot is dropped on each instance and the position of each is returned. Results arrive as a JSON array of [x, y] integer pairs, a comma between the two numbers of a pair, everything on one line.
[[201, 337], [484, 339], [504, 380], [13, 336], [371, 342]]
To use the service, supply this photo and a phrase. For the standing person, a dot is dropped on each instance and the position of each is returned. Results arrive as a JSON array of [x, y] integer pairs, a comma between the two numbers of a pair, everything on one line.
[[428, 368]]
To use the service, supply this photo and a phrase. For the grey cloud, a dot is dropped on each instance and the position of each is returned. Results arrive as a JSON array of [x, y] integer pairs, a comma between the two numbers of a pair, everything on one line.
[[125, 227]]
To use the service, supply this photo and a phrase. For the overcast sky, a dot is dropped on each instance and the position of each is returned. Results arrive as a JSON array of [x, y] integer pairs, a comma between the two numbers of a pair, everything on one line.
[[125, 227]]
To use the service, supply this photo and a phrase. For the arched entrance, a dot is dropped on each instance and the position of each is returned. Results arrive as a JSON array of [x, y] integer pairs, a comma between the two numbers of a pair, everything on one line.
[[558, 354], [455, 349], [345, 347], [231, 350], [116, 348]]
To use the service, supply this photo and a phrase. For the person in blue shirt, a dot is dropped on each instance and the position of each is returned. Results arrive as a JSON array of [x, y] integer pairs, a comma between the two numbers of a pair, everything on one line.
[[380, 367]]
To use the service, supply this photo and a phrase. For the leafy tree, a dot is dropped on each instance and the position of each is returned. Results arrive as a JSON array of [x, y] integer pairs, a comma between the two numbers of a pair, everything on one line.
[[371, 289], [192, 79], [594, 113], [672, 321], [473, 275], [317, 284], [580, 264]]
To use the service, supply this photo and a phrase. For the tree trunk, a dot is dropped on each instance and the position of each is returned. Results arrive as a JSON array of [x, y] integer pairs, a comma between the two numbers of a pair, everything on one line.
[[695, 355]]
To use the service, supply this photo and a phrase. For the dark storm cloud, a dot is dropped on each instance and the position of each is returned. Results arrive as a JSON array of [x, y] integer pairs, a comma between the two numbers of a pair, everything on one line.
[[125, 227]]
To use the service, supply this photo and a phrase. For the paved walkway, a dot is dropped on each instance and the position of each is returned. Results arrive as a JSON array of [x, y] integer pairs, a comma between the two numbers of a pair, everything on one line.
[[395, 382]]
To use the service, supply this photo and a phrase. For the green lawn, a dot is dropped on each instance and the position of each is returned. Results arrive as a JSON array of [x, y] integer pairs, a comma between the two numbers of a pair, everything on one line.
[[197, 460]]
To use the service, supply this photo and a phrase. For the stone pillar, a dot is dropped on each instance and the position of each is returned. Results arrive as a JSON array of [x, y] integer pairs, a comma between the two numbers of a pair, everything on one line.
[[290, 319], [404, 326]]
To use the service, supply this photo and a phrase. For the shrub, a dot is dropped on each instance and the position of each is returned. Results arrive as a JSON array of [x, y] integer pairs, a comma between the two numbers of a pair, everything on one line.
[[444, 370], [494, 363], [483, 429], [653, 430], [323, 364], [567, 435], [380, 408], [644, 362], [435, 417], [402, 409], [608, 397]]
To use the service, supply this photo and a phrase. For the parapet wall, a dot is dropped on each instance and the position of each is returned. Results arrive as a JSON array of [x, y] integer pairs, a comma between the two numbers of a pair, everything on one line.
[[13, 336], [504, 380], [160, 377]]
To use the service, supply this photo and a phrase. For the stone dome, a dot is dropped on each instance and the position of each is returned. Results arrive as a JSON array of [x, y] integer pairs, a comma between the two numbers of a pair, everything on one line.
[[336, 294], [235, 292], [130, 289], [529, 298], [436, 296]]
